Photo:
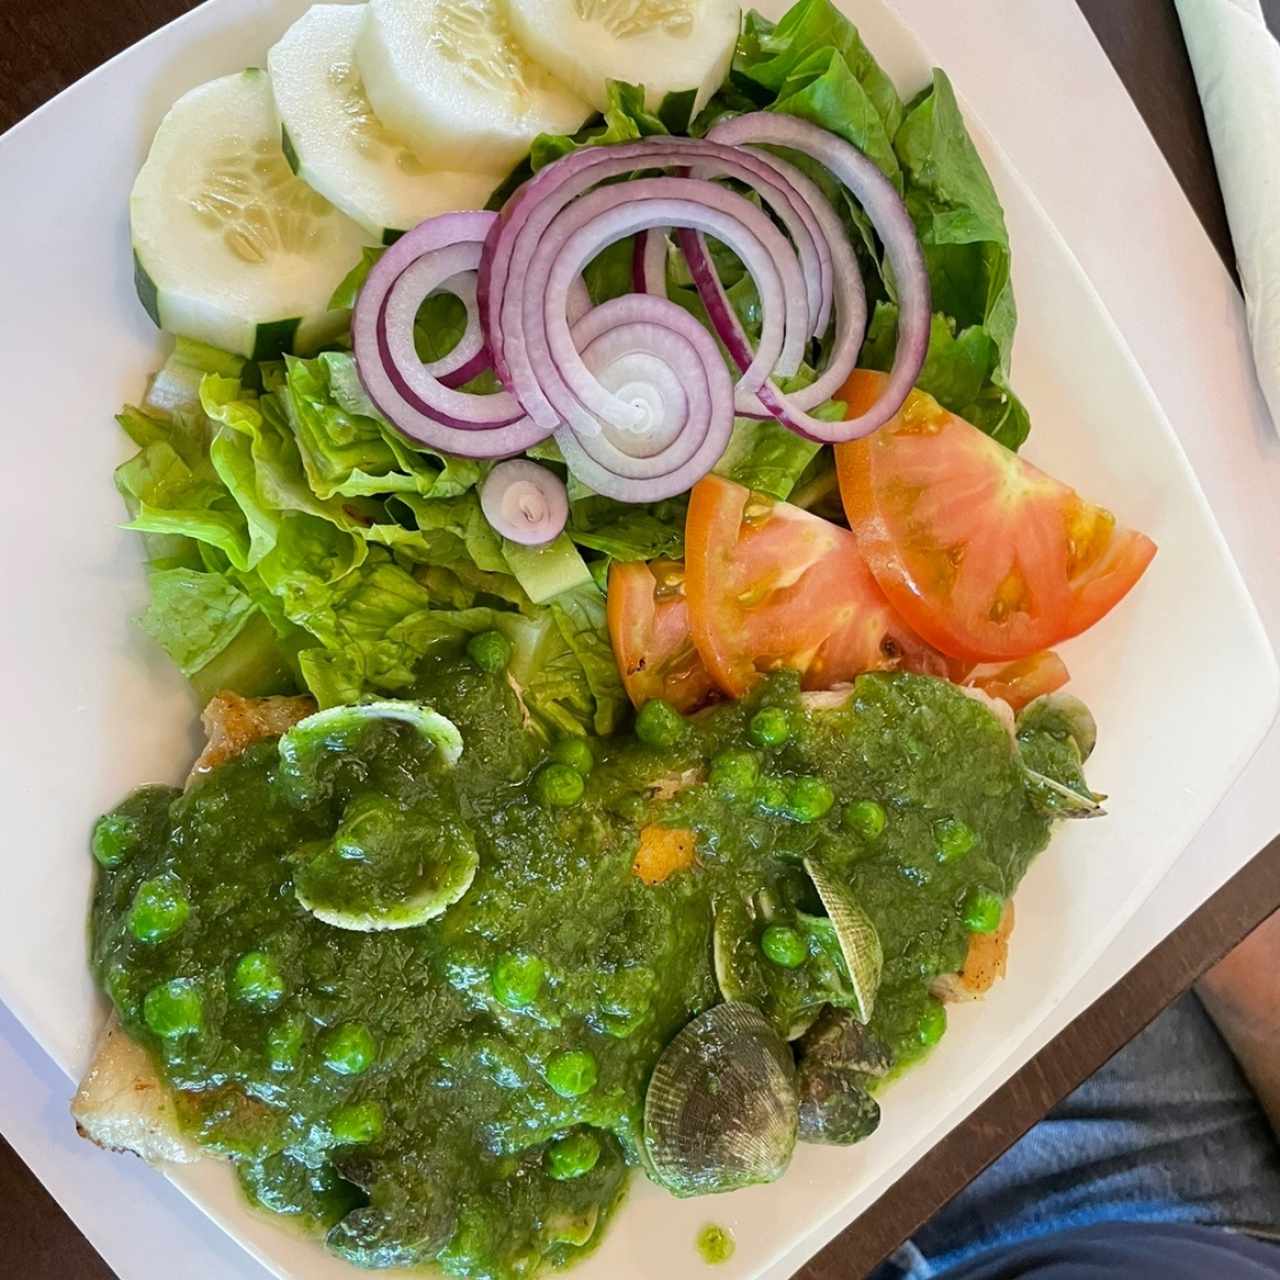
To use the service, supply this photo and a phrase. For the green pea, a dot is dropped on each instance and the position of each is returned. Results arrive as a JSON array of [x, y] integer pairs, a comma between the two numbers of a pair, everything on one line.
[[357, 1122], [517, 980], [559, 786], [490, 651], [160, 908], [576, 753], [659, 724], [257, 978], [735, 771], [113, 838], [955, 839], [572, 1073], [284, 1043], [866, 817], [572, 1156], [174, 1009], [784, 946], [349, 1050], [932, 1024], [773, 795], [810, 799], [981, 910], [769, 727]]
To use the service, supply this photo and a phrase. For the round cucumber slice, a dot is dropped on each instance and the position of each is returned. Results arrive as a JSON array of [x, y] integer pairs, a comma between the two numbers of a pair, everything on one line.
[[448, 77], [230, 247], [669, 46], [337, 145]]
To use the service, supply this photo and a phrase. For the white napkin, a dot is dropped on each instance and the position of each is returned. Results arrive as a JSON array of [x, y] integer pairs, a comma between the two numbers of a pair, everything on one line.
[[1237, 68]]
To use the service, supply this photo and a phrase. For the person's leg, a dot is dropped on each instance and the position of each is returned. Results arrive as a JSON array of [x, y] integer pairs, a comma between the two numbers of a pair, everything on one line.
[[1242, 995], [1167, 1131]]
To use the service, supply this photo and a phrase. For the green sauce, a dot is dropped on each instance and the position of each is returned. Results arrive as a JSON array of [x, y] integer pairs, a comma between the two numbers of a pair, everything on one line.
[[471, 1090], [715, 1244]]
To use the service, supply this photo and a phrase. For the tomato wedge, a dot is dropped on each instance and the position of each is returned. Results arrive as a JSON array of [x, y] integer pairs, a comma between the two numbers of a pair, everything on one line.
[[984, 555], [1017, 683], [649, 627], [771, 586]]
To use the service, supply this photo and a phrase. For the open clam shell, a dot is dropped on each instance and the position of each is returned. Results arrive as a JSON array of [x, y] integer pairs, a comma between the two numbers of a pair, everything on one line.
[[859, 941], [721, 1109], [1063, 715]]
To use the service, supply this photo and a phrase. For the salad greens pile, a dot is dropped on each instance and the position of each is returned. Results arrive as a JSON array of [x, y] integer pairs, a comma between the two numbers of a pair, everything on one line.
[[296, 540]]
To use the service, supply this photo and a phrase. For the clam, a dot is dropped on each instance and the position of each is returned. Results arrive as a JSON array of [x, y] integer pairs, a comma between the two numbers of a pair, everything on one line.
[[859, 941], [305, 747], [791, 999], [838, 1059], [835, 1106], [1056, 733], [1063, 715], [403, 1225], [839, 1040], [1055, 799], [721, 1110]]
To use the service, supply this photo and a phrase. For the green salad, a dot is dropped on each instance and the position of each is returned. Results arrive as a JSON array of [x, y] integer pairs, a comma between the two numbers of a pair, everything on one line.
[[296, 539]]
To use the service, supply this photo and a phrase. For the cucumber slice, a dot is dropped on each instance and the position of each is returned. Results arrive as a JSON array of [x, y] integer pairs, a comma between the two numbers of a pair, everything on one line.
[[229, 246], [668, 45], [338, 146], [448, 77]]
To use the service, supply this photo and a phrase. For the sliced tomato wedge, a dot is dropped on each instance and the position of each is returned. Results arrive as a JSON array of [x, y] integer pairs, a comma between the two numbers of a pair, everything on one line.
[[984, 555], [1017, 683], [652, 643], [772, 587]]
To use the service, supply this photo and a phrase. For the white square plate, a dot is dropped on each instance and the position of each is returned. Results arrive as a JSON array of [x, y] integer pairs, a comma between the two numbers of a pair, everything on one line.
[[1182, 677]]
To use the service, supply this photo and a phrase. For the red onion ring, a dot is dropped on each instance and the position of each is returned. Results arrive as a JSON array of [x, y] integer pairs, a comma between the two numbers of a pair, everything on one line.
[[882, 204], [469, 348], [607, 215], [524, 502], [697, 433], [636, 390], [532, 209], [649, 263]]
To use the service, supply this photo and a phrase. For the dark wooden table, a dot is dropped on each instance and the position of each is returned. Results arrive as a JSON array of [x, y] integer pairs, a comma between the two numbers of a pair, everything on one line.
[[46, 46]]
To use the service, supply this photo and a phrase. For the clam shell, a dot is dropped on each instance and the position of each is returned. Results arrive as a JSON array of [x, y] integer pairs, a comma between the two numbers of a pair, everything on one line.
[[1055, 799], [721, 1110], [859, 941], [839, 1040], [1061, 713], [835, 1106], [737, 962]]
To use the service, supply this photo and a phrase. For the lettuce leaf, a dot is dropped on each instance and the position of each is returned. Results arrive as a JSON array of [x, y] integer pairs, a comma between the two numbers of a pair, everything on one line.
[[623, 531], [765, 456], [580, 617], [961, 371], [958, 216], [562, 666], [345, 295], [625, 119], [823, 89], [193, 616], [769, 54], [348, 450]]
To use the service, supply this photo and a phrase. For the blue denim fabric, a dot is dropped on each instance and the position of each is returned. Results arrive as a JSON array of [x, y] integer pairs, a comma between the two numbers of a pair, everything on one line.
[[1130, 1251], [1168, 1131]]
